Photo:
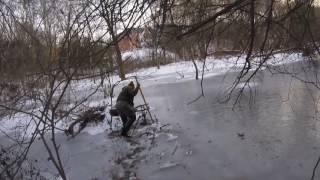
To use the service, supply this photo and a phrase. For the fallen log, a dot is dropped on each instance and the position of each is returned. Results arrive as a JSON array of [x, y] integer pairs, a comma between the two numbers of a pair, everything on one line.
[[92, 115]]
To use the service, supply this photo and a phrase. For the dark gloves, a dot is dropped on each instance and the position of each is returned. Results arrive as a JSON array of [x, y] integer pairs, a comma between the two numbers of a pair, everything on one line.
[[138, 85]]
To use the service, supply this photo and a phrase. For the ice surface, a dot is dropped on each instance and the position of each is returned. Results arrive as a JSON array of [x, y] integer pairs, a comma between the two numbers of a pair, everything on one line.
[[200, 142]]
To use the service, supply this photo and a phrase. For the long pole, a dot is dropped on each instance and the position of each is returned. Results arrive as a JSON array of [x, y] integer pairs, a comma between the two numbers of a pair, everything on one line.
[[144, 99]]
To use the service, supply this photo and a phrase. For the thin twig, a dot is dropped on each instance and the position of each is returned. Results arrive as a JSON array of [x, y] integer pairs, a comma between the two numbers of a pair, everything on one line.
[[314, 169]]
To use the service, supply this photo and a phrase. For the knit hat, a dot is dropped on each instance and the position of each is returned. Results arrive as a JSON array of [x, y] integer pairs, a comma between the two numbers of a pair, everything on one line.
[[131, 84]]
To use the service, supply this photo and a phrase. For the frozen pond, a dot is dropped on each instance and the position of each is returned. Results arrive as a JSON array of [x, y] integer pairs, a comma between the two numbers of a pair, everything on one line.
[[273, 133]]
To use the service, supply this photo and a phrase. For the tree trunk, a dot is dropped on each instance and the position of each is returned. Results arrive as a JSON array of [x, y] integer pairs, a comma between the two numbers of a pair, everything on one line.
[[164, 55], [157, 57], [122, 73], [196, 67]]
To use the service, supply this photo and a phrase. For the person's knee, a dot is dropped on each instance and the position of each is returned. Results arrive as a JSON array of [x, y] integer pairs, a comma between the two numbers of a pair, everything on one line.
[[132, 117], [123, 118]]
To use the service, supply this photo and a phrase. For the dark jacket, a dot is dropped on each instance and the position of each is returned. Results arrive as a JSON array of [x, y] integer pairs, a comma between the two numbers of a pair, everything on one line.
[[127, 95]]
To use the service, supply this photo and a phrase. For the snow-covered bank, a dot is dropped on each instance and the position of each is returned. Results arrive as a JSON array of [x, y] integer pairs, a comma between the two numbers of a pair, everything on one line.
[[185, 70], [144, 54]]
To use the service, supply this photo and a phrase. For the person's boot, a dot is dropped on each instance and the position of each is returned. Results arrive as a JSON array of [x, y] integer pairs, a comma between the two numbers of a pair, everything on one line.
[[125, 134]]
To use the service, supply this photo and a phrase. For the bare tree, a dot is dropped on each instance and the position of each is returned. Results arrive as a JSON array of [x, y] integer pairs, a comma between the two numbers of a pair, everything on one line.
[[120, 16], [60, 48]]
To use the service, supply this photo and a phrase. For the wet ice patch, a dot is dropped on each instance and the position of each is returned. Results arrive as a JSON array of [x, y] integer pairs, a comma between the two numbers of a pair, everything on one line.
[[129, 155], [171, 137], [168, 165]]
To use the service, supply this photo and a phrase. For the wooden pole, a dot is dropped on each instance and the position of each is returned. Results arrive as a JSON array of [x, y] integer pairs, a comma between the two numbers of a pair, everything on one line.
[[144, 99]]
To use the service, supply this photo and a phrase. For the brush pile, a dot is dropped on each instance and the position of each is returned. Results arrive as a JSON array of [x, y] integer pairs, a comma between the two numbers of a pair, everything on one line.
[[92, 115]]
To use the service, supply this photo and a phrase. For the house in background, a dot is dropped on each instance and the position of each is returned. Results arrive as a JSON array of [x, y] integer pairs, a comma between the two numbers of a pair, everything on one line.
[[132, 39], [136, 38]]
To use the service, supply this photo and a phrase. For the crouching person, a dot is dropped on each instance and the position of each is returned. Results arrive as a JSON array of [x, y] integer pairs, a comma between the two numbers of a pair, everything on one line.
[[125, 107]]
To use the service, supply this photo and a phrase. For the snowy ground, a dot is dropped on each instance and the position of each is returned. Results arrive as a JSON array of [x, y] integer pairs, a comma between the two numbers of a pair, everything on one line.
[[143, 54], [204, 140]]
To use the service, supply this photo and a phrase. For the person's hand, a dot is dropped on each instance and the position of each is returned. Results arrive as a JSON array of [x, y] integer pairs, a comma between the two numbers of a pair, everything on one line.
[[138, 85]]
